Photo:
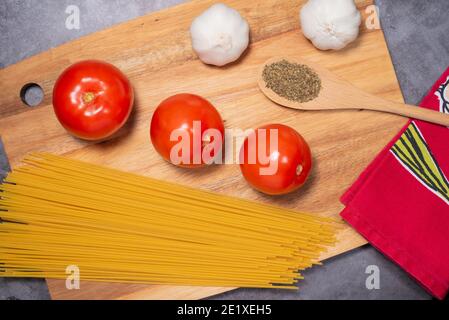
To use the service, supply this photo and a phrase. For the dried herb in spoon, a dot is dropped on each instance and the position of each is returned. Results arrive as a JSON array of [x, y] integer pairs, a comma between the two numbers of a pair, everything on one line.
[[293, 81]]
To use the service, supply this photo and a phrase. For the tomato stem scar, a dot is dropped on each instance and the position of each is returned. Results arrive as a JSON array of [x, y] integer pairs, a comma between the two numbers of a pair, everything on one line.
[[88, 97], [299, 170]]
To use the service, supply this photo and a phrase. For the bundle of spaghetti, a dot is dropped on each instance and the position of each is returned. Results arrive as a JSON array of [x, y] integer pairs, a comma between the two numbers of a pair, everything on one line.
[[120, 227]]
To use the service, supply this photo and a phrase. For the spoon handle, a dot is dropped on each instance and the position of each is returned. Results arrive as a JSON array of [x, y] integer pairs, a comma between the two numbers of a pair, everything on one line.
[[413, 112]]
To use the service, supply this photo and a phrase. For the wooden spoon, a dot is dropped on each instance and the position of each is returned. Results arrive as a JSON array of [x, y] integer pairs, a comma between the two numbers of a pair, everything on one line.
[[337, 93]]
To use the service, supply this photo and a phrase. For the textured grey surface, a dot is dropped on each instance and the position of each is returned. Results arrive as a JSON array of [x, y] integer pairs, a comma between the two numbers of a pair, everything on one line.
[[19, 289], [4, 165], [416, 32]]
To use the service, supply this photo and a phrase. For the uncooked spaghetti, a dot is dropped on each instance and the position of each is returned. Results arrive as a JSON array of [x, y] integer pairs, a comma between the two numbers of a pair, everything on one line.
[[121, 227]]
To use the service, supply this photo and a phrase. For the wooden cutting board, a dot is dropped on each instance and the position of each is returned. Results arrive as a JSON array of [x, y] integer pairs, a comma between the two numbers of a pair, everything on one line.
[[155, 52]]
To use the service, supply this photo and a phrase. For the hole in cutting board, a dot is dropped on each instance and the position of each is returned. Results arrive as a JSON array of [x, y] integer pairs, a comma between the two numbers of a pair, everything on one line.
[[32, 94]]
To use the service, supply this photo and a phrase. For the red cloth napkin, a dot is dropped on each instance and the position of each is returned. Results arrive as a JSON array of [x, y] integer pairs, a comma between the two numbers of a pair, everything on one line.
[[400, 203]]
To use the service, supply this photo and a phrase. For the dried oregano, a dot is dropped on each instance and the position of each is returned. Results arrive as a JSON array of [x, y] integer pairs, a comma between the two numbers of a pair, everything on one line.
[[293, 81]]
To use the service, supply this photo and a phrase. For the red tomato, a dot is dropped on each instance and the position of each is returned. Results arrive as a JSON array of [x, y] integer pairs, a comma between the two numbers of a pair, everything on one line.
[[184, 127], [290, 161], [92, 99]]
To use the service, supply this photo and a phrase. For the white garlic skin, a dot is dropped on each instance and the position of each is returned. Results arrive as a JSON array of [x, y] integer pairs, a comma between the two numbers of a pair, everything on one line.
[[330, 24], [219, 35]]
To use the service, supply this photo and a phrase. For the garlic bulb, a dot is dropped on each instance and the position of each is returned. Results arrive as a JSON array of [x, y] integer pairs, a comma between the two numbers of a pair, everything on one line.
[[219, 35], [330, 24]]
